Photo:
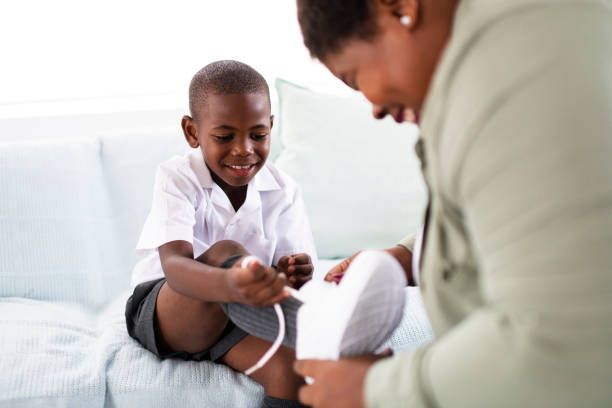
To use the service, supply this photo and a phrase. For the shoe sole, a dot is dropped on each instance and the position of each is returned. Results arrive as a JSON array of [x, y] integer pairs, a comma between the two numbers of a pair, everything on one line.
[[360, 316]]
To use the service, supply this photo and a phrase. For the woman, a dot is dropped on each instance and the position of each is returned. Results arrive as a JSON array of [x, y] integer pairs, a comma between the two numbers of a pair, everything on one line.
[[514, 99]]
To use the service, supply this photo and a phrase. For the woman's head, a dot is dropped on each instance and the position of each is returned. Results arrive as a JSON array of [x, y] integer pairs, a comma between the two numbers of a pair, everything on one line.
[[387, 49]]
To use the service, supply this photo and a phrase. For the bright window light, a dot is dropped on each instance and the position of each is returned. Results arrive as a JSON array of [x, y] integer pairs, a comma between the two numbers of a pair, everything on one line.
[[125, 54]]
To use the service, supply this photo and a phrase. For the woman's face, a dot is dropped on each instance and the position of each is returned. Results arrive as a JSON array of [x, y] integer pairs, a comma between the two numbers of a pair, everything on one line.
[[394, 69]]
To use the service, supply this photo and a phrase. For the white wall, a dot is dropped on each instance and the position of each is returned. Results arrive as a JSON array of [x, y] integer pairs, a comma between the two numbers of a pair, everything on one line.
[[74, 58]]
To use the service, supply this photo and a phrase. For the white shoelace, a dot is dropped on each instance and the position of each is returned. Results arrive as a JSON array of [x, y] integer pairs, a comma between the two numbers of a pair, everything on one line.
[[281, 328]]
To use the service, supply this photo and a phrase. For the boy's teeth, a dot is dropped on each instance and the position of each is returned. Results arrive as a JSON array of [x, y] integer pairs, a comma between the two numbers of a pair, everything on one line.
[[240, 167]]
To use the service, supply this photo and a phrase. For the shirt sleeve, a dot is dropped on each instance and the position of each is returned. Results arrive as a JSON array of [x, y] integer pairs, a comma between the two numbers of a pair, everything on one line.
[[294, 233], [172, 215], [536, 190]]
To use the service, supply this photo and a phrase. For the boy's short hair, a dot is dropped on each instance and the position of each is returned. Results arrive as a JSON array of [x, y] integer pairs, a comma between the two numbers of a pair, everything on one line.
[[223, 78]]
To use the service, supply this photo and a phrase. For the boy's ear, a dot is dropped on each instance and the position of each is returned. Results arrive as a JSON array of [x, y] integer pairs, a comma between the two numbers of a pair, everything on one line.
[[190, 131], [271, 121]]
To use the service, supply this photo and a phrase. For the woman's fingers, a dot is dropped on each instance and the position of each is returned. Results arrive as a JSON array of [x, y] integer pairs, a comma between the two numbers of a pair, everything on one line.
[[308, 368], [335, 273], [337, 384]]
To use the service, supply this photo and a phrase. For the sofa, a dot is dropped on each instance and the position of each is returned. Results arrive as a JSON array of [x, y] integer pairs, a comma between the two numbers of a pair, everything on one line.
[[71, 209]]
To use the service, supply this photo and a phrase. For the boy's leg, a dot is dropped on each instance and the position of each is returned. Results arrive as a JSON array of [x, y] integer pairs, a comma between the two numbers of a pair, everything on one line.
[[277, 376], [263, 322], [188, 324], [191, 325]]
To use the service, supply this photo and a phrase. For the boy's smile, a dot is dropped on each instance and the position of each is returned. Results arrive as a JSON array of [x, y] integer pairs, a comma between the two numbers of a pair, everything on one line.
[[233, 132]]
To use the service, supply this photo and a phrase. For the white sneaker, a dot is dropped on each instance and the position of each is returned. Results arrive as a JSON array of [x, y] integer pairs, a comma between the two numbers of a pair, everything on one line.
[[354, 317]]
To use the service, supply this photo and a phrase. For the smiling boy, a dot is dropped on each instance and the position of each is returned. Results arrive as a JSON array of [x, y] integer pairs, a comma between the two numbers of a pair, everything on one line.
[[212, 207]]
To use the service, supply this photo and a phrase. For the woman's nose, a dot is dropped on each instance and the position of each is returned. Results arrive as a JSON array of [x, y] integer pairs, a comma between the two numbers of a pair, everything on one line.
[[379, 111]]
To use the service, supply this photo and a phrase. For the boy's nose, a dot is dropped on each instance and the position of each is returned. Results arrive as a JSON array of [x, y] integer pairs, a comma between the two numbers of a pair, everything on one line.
[[243, 148]]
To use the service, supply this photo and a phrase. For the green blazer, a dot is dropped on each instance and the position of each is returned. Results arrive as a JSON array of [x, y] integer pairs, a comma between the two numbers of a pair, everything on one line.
[[516, 275]]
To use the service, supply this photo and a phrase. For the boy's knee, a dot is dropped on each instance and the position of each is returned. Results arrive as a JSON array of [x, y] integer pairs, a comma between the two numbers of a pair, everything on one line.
[[220, 251]]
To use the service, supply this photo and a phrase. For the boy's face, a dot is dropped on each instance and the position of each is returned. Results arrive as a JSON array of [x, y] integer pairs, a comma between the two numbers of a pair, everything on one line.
[[233, 132]]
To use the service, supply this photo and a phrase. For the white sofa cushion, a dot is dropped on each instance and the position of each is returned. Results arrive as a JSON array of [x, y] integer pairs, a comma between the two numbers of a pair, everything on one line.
[[129, 162], [62, 355], [56, 222], [360, 177], [49, 355]]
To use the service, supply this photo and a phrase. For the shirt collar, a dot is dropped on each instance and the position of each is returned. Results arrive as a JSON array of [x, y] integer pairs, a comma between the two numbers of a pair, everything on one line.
[[264, 180]]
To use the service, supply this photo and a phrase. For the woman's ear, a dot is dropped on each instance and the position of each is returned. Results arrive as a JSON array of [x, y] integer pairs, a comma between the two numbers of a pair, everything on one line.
[[271, 121], [190, 131], [405, 11]]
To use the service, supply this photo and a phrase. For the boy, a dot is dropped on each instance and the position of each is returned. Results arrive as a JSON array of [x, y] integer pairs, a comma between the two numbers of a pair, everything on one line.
[[211, 208]]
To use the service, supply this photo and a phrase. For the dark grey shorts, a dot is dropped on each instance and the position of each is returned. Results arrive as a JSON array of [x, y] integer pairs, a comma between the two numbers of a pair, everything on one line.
[[142, 325]]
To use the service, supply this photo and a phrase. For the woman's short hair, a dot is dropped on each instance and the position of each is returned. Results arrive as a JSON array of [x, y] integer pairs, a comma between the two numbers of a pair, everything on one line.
[[327, 24]]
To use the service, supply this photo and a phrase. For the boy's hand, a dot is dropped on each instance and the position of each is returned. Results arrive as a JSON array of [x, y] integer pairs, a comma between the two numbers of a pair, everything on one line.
[[298, 269], [256, 285]]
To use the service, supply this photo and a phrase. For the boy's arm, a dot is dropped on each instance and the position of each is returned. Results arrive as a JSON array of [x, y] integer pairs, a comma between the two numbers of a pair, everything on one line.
[[253, 285], [190, 277]]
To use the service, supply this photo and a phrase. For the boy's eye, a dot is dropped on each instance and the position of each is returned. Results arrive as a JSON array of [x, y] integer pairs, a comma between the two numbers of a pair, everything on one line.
[[259, 136], [223, 138]]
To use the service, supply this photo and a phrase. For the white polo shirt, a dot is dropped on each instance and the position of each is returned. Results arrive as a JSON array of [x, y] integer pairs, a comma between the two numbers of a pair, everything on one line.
[[189, 206]]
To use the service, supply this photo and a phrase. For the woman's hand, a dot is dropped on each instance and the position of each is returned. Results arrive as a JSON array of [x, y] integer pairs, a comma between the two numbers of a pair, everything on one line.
[[256, 285], [337, 384], [298, 269], [399, 252], [335, 274]]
